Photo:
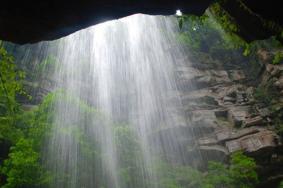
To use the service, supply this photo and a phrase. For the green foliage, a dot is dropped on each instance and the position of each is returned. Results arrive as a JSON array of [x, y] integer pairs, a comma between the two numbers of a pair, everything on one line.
[[45, 68], [279, 127], [89, 147], [270, 44], [23, 168], [23, 131], [261, 94], [247, 50], [177, 176], [195, 31], [129, 155], [241, 173], [267, 93], [206, 34], [195, 20], [10, 85], [228, 24], [278, 122], [278, 57], [215, 36], [223, 18], [34, 127], [243, 170], [218, 175]]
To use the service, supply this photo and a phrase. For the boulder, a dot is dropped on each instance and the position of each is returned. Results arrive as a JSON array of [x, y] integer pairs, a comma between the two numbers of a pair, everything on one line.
[[228, 99], [223, 135], [204, 118], [261, 141], [207, 141], [264, 112], [213, 77], [258, 120], [279, 83], [203, 122], [198, 103], [273, 70], [237, 75], [203, 78], [213, 153], [242, 97], [237, 114]]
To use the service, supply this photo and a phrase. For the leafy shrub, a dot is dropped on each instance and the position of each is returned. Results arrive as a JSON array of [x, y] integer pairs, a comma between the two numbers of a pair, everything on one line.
[[278, 57], [10, 85], [241, 173], [23, 168], [23, 130]]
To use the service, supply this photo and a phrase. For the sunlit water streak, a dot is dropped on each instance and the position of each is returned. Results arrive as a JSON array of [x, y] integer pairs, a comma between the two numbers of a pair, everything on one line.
[[127, 70]]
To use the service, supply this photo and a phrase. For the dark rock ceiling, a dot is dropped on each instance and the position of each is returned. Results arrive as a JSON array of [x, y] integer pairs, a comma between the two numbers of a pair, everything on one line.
[[31, 21]]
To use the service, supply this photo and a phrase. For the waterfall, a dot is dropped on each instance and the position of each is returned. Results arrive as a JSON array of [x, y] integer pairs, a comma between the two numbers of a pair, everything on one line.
[[118, 105]]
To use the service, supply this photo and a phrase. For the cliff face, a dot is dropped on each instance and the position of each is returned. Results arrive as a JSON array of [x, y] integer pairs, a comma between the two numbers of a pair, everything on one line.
[[228, 112]]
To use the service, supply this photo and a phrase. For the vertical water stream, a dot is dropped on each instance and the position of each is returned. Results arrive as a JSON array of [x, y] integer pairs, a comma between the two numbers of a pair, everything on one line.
[[124, 72]]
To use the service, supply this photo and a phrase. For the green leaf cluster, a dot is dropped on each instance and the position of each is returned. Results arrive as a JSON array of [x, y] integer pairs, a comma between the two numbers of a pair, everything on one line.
[[206, 34], [129, 155], [21, 131], [22, 168], [240, 173], [278, 58], [10, 85]]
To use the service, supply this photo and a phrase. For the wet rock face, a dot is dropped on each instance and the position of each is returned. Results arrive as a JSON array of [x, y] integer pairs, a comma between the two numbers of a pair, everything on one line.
[[225, 116], [273, 77], [228, 113]]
